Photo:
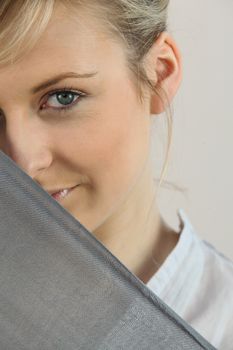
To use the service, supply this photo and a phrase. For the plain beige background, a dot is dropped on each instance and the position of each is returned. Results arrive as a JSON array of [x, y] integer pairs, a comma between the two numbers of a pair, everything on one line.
[[201, 158]]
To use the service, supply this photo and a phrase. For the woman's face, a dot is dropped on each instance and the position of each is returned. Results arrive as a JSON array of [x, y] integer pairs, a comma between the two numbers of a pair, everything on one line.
[[100, 143]]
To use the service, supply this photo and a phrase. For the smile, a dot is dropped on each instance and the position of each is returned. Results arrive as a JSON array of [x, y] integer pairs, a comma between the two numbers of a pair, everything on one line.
[[63, 193]]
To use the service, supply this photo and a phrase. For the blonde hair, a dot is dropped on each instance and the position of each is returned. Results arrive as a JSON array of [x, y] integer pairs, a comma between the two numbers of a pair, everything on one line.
[[137, 22]]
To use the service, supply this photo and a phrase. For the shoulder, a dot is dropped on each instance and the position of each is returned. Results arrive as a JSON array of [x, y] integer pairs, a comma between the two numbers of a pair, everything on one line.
[[212, 308], [218, 281], [219, 266], [217, 275], [196, 281]]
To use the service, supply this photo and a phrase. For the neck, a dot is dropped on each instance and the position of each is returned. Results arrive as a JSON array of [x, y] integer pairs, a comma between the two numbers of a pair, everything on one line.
[[136, 234]]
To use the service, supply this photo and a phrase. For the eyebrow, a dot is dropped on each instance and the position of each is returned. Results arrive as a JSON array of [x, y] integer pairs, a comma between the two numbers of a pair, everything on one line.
[[60, 77]]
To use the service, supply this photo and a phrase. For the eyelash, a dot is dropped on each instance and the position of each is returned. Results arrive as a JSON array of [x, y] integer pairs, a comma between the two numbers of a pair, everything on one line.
[[69, 89]]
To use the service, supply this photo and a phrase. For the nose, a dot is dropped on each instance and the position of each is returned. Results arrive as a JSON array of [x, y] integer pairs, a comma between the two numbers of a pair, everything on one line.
[[25, 142]]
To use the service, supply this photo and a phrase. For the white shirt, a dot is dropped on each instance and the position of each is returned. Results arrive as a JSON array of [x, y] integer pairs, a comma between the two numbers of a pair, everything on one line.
[[196, 281]]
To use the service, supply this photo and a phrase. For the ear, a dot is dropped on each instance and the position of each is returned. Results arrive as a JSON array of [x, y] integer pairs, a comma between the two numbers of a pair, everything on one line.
[[164, 64]]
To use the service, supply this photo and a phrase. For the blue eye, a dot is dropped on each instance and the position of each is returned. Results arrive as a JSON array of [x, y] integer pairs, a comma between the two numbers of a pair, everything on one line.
[[65, 98]]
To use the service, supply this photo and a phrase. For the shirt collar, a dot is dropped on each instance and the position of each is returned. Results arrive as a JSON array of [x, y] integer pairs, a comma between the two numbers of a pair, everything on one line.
[[181, 269]]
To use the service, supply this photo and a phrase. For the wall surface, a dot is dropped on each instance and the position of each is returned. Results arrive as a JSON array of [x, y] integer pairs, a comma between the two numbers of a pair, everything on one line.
[[201, 158]]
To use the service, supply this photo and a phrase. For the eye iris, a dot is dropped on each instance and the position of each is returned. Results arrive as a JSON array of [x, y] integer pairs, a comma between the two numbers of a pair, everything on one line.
[[65, 98]]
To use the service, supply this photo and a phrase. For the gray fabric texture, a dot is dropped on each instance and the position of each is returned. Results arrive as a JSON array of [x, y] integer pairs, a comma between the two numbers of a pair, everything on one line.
[[60, 288]]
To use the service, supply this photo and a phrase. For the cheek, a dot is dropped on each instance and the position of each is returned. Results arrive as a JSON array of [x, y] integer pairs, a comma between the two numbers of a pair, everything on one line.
[[107, 147], [111, 147]]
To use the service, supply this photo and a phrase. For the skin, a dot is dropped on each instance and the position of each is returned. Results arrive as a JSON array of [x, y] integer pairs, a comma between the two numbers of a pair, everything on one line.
[[102, 143]]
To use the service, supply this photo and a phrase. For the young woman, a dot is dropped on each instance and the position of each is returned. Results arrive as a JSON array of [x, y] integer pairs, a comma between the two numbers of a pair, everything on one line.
[[81, 82]]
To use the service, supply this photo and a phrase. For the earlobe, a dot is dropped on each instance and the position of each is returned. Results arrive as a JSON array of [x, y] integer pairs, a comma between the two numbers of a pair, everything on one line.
[[166, 63]]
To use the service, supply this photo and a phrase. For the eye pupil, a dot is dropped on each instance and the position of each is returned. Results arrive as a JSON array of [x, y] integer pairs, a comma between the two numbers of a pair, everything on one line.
[[65, 98]]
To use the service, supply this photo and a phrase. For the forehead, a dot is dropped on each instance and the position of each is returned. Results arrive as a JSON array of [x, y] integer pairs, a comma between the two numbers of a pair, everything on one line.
[[71, 38], [67, 28]]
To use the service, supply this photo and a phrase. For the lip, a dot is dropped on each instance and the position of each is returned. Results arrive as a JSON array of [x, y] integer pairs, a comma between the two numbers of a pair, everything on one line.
[[56, 190], [59, 196]]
